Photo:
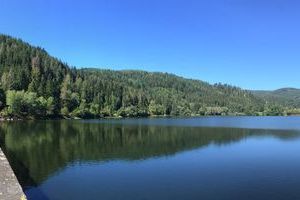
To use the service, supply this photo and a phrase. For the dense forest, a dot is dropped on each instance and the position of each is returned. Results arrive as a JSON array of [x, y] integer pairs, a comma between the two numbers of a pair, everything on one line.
[[288, 97], [36, 85]]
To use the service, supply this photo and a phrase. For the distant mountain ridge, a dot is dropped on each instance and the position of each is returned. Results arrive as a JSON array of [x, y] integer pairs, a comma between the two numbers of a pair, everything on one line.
[[37, 85], [286, 96]]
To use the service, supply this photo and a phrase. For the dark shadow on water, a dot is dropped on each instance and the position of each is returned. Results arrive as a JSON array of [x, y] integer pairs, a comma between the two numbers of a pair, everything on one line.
[[37, 150]]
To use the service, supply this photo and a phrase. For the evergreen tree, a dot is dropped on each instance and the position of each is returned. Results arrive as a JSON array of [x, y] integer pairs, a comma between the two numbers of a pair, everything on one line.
[[35, 84]]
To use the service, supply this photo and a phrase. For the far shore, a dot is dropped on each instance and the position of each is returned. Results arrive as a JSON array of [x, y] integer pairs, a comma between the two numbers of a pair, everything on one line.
[[136, 117]]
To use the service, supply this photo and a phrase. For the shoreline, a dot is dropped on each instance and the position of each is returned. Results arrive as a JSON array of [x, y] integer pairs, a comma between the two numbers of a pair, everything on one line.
[[10, 187], [137, 117]]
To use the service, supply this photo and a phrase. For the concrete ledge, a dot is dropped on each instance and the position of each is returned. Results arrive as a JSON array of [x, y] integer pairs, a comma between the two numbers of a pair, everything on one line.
[[10, 188]]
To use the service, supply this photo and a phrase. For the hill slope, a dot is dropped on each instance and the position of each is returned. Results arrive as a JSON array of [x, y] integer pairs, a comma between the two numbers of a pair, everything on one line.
[[286, 96], [38, 85]]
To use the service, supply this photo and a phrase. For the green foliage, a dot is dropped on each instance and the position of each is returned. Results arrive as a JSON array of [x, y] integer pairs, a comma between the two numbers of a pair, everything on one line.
[[156, 109], [50, 106], [38, 85], [293, 111], [28, 104], [216, 110], [132, 111], [14, 102], [2, 98], [273, 110], [289, 97], [64, 111]]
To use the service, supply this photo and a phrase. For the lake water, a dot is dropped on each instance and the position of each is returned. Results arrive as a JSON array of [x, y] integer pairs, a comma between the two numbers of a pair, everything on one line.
[[210, 158]]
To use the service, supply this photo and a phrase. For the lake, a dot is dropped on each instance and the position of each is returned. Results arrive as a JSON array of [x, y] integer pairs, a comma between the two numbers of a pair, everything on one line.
[[210, 158]]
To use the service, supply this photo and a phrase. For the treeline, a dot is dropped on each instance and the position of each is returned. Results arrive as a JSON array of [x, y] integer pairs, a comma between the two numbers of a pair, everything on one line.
[[289, 97], [36, 85]]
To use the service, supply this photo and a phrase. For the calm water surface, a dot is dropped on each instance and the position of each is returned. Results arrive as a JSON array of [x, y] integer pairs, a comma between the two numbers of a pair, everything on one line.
[[138, 159]]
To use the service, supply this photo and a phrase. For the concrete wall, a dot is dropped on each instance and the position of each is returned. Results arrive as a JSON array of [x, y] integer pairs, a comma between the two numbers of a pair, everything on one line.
[[10, 188]]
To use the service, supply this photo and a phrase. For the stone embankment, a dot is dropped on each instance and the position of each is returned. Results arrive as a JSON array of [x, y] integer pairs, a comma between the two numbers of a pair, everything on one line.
[[10, 188]]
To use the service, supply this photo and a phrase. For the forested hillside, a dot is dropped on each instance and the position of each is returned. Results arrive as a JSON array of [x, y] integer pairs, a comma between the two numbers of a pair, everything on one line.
[[36, 85], [288, 97]]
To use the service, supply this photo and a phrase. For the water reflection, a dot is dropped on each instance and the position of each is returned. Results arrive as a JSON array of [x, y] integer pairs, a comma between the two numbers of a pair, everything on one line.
[[37, 150]]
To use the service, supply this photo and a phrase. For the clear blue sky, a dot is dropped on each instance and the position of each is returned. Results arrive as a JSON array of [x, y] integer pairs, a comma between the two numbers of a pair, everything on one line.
[[254, 44]]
